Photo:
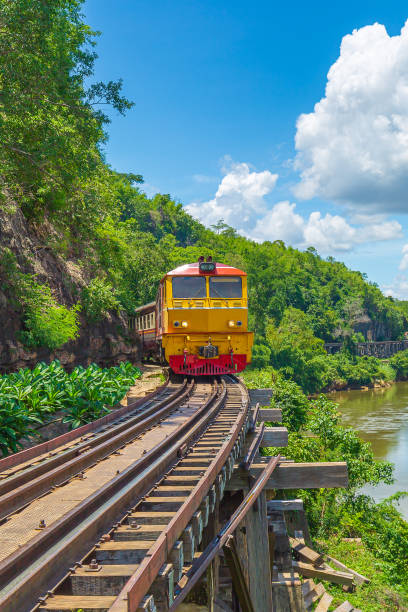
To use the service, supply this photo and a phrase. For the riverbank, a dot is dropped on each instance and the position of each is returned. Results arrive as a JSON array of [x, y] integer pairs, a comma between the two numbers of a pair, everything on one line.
[[318, 433]]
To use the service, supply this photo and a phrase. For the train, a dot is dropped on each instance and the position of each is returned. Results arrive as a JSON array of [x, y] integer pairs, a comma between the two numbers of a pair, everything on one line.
[[198, 324]]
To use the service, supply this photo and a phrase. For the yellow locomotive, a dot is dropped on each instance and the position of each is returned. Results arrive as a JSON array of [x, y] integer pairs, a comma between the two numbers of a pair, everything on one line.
[[199, 322]]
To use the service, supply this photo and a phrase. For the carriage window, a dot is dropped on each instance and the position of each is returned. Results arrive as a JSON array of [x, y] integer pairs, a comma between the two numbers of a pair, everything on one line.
[[189, 287], [225, 286]]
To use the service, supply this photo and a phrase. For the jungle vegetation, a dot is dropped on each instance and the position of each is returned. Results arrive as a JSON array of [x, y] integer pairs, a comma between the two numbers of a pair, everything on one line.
[[31, 398], [316, 434], [53, 130]]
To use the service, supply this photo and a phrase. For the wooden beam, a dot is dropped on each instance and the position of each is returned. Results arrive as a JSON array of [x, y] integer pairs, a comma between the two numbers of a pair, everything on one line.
[[359, 578], [306, 553], [294, 475], [324, 603], [275, 436], [284, 505], [259, 572], [272, 415], [309, 571]]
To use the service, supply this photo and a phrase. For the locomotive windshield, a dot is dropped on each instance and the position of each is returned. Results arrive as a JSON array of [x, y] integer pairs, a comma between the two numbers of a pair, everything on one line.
[[189, 287], [225, 287]]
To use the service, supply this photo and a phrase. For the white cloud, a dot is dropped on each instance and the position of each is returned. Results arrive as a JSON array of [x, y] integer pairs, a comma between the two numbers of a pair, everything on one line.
[[328, 233], [398, 288], [239, 197], [353, 148], [404, 261], [241, 201]]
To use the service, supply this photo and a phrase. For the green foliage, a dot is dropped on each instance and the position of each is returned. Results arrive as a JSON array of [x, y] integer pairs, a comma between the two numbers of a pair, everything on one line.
[[316, 434], [97, 299], [378, 595], [47, 323], [261, 355], [399, 363], [30, 397], [15, 424], [52, 125], [52, 325]]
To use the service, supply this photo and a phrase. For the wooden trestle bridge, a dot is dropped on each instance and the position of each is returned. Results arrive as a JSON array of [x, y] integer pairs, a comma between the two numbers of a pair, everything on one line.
[[161, 502], [382, 349]]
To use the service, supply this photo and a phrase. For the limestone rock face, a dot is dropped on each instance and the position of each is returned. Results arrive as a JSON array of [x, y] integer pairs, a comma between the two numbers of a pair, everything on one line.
[[105, 343]]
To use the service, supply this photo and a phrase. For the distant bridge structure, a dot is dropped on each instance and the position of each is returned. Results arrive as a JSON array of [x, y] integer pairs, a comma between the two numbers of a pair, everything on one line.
[[383, 349]]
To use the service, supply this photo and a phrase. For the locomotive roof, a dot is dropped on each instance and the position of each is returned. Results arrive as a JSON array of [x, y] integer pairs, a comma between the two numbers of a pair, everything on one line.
[[192, 269]]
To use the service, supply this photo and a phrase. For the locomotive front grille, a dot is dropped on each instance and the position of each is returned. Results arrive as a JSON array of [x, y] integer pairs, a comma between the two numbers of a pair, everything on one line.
[[208, 351]]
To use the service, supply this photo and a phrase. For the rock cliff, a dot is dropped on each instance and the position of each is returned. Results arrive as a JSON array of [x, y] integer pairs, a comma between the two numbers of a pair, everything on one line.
[[105, 343]]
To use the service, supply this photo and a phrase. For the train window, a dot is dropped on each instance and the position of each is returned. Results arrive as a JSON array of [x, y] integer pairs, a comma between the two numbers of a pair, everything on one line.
[[189, 287], [225, 286]]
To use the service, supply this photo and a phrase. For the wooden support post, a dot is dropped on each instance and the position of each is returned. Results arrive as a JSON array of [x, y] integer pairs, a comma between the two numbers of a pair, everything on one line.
[[197, 523], [212, 496], [271, 539], [188, 544], [211, 530], [256, 526], [176, 558], [205, 510], [237, 575], [287, 593], [163, 588]]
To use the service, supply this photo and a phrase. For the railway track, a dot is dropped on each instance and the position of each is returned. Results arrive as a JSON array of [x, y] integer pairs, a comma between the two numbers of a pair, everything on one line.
[[22, 483], [112, 521]]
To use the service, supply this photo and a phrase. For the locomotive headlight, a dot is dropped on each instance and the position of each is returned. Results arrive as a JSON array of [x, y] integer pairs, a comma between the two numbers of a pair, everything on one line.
[[184, 324], [239, 323], [231, 324], [176, 323]]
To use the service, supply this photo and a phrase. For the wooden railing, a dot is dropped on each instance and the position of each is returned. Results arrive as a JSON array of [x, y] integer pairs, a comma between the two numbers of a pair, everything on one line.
[[385, 348]]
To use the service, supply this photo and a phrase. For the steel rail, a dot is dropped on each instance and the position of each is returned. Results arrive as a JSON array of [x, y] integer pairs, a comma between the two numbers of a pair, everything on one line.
[[36, 481], [24, 473], [34, 453], [253, 449], [139, 584], [199, 567], [29, 571]]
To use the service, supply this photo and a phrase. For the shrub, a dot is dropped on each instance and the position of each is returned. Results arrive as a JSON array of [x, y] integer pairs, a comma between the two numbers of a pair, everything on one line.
[[47, 323], [261, 356], [98, 298], [50, 326], [399, 363], [28, 396]]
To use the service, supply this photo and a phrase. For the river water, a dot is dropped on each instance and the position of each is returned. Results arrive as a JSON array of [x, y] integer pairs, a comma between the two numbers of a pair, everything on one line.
[[381, 417]]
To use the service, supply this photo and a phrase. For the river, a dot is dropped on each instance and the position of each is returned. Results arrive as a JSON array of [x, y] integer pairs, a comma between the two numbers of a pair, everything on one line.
[[381, 417]]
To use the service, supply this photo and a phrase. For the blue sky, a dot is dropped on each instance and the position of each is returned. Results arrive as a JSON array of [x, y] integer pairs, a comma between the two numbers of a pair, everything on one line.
[[219, 88]]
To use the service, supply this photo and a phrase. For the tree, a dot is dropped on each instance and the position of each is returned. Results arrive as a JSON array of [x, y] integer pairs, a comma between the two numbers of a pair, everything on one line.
[[52, 126]]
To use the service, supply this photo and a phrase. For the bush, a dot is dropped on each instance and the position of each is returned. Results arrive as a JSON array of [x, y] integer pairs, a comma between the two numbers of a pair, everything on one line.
[[261, 356], [50, 326], [47, 323], [29, 397], [399, 363], [97, 299]]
